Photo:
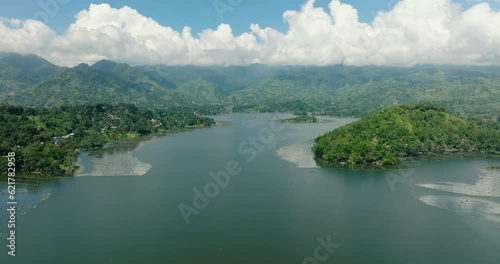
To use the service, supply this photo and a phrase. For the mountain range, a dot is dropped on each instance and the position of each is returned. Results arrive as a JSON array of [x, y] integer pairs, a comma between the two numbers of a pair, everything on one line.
[[30, 80]]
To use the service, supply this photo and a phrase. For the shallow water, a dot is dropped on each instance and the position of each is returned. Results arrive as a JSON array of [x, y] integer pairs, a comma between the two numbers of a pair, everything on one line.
[[276, 207]]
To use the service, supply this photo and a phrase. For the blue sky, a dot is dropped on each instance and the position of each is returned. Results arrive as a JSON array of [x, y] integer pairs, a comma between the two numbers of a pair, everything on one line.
[[414, 32], [197, 14]]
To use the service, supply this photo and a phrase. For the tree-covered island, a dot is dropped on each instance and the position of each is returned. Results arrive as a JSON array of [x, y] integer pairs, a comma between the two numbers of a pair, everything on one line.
[[387, 136], [46, 141], [300, 119]]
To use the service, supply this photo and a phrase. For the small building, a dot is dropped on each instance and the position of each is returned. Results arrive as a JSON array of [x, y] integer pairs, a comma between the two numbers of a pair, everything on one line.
[[68, 135]]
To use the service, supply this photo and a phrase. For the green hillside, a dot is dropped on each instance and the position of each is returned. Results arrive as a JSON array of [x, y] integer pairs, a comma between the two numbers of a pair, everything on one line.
[[332, 90], [19, 72], [83, 85], [403, 131], [28, 67], [135, 75]]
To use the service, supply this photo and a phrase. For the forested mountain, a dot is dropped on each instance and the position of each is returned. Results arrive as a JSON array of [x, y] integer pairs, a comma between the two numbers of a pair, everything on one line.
[[336, 90], [230, 79], [403, 131], [19, 72], [357, 91], [135, 75], [26, 67], [458, 89], [81, 85]]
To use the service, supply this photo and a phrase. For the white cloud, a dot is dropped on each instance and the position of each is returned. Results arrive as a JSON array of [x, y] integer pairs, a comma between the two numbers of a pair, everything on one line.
[[414, 31]]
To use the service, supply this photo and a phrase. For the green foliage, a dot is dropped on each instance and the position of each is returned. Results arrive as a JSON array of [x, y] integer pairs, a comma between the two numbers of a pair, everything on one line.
[[28, 80], [46, 140], [301, 119], [200, 92], [297, 107], [403, 131], [332, 90], [19, 72]]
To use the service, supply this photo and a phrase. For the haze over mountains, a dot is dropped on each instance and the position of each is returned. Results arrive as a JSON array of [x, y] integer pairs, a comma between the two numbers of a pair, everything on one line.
[[342, 90]]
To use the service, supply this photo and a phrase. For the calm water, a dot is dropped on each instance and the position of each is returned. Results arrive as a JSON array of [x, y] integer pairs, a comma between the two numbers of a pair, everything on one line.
[[275, 209]]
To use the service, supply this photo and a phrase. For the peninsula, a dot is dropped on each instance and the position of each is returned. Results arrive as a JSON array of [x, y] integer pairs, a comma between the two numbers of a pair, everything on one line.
[[388, 136]]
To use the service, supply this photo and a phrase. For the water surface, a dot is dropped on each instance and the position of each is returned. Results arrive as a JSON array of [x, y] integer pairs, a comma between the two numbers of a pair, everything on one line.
[[273, 211]]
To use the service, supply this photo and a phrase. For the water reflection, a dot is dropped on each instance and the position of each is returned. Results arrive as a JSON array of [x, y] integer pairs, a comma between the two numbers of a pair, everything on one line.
[[464, 205], [112, 164], [303, 135], [27, 198], [300, 154], [488, 185], [115, 159]]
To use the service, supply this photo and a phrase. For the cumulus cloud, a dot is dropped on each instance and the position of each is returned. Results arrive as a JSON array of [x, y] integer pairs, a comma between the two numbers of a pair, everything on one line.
[[412, 32]]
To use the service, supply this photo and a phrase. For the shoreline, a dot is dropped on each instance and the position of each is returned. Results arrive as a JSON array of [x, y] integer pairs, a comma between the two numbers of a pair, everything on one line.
[[424, 157], [38, 178]]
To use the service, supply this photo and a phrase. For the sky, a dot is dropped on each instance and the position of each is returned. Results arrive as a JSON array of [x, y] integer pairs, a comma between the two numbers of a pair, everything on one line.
[[242, 32]]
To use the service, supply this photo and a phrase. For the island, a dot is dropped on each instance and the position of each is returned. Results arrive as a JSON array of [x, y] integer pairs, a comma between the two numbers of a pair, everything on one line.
[[46, 141], [387, 137], [300, 119]]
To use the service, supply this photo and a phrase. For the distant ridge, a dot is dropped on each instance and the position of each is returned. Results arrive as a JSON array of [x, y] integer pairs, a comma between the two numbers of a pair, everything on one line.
[[335, 90]]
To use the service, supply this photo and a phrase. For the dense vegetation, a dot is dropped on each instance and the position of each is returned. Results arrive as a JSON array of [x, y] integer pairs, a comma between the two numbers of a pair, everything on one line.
[[403, 131], [46, 140], [28, 80], [301, 119], [334, 90]]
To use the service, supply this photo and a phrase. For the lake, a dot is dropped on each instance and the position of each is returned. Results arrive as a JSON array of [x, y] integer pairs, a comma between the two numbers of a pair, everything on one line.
[[248, 191]]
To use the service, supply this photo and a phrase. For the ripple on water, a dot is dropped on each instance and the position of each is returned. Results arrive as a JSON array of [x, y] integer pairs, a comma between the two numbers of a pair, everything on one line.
[[465, 206], [115, 164], [27, 200], [488, 185], [300, 154]]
